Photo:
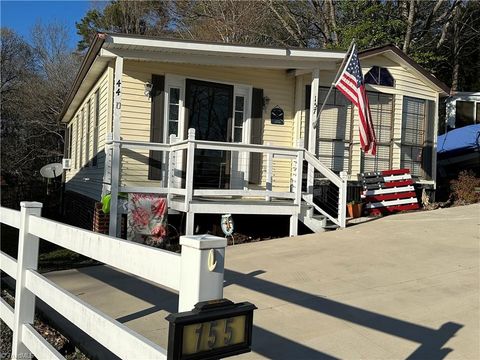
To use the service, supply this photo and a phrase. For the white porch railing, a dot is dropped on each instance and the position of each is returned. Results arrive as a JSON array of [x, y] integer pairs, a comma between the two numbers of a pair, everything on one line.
[[179, 174], [165, 268]]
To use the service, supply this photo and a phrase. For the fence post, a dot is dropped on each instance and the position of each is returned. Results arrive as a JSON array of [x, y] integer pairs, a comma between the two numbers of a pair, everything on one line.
[[342, 199], [202, 268], [189, 182], [27, 259]]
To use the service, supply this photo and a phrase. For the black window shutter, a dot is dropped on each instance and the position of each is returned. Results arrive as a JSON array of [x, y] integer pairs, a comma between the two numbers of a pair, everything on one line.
[[255, 168], [66, 143], [156, 126], [427, 151]]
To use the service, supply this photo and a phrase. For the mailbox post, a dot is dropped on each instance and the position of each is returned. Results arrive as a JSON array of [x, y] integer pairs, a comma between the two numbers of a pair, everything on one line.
[[202, 267]]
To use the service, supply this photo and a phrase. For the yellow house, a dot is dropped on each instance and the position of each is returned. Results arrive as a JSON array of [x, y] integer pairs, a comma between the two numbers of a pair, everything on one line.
[[219, 128]]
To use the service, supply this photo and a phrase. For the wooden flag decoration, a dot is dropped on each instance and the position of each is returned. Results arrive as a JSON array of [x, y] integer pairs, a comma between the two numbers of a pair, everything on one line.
[[388, 191]]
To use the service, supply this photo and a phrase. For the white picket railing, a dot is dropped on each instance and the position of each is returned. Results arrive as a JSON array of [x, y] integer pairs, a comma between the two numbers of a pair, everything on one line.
[[175, 271], [179, 158]]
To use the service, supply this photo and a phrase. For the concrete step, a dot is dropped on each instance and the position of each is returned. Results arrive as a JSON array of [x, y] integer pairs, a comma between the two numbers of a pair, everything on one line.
[[315, 222]]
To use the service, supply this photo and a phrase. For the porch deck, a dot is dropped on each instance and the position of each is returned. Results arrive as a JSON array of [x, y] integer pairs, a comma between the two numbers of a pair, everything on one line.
[[234, 205]]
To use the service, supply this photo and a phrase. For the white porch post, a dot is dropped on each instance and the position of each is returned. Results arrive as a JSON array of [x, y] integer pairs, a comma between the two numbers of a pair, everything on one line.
[[27, 259], [297, 189], [312, 134], [269, 175], [342, 199], [189, 225], [116, 156], [202, 268], [435, 144]]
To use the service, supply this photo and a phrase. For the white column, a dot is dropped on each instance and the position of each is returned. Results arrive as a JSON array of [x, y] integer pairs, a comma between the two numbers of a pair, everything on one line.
[[297, 188], [342, 199], [116, 156], [312, 138], [435, 142], [189, 182], [269, 175], [27, 259], [202, 269]]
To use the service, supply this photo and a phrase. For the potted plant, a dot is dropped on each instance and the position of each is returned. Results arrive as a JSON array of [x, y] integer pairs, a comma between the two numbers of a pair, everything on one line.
[[354, 208]]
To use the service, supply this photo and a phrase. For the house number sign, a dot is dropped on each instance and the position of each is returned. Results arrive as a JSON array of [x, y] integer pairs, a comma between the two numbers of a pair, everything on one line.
[[212, 330]]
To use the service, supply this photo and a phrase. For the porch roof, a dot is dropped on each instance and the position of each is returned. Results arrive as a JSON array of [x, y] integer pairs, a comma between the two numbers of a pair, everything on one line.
[[161, 49], [107, 46]]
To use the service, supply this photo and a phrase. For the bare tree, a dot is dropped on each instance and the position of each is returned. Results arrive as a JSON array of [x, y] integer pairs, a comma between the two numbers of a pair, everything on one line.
[[31, 133]]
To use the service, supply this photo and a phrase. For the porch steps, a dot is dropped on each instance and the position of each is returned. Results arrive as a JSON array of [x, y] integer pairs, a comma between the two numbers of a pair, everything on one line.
[[315, 222]]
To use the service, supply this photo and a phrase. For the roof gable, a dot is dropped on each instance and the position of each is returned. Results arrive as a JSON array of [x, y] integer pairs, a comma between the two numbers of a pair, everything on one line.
[[396, 55]]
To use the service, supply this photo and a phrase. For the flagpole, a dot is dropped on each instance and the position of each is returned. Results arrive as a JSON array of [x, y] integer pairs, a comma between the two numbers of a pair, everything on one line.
[[315, 124]]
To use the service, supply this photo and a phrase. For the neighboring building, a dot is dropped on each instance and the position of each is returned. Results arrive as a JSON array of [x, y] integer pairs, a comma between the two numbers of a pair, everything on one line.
[[459, 147], [463, 109], [255, 103]]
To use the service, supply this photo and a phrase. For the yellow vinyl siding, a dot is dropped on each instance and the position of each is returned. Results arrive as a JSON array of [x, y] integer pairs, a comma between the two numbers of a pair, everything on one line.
[[407, 83], [135, 118], [87, 180]]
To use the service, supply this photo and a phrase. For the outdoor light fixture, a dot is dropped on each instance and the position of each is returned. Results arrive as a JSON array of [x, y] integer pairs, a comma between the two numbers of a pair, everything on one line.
[[148, 89], [266, 100]]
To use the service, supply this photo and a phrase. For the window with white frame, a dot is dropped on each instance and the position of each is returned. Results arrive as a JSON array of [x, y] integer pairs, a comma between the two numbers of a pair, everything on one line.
[[239, 118], [413, 134], [379, 76], [381, 108], [173, 110]]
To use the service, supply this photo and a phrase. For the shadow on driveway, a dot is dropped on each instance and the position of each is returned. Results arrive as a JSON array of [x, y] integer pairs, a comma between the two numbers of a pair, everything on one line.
[[273, 345]]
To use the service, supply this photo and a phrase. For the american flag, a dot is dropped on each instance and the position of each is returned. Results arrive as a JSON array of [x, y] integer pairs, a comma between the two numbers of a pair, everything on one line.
[[351, 84]]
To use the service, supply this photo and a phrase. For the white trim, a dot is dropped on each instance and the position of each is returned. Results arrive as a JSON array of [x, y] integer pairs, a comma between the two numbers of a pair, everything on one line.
[[7, 313], [159, 266], [9, 264], [115, 336], [116, 41], [39, 347]]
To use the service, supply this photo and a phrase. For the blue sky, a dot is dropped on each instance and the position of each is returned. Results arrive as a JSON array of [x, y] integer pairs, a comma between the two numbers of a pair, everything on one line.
[[22, 15]]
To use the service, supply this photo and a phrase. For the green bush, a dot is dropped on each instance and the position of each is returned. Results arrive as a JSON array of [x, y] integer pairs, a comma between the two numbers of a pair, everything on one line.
[[466, 189]]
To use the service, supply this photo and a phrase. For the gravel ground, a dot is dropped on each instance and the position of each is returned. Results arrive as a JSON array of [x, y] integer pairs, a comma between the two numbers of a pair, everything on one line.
[[63, 345]]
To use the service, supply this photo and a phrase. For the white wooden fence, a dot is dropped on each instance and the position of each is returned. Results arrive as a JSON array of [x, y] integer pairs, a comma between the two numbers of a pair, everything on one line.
[[192, 274]]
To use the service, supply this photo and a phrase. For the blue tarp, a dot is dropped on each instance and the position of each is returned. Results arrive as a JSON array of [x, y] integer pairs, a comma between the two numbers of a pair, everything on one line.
[[465, 138]]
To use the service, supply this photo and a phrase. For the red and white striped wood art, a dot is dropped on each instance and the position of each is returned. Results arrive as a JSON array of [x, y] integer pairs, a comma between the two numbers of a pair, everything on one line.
[[388, 191]]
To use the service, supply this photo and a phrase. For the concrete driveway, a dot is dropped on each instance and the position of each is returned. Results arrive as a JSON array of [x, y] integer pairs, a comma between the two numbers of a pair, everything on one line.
[[403, 286]]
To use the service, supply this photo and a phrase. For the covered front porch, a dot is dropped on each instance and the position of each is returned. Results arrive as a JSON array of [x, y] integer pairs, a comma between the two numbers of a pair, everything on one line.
[[227, 131]]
